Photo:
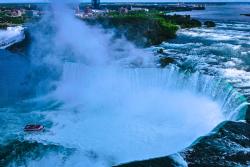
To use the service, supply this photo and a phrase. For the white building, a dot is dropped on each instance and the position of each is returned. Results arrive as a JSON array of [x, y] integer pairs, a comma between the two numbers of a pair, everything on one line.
[[139, 9]]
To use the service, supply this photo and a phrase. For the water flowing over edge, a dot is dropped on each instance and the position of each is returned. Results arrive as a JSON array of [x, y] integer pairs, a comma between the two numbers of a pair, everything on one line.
[[232, 103]]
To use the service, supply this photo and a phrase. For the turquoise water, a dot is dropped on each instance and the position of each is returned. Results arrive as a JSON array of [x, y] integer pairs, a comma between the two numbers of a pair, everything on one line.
[[220, 51], [229, 12], [99, 110]]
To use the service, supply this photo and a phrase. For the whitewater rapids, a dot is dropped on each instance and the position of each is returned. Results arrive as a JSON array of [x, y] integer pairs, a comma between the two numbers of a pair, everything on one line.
[[112, 116], [102, 116], [11, 36]]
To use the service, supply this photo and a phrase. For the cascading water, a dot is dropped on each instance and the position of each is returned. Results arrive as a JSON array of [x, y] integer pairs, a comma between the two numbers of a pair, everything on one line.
[[231, 102], [112, 115], [119, 115], [109, 115], [10, 36], [220, 51], [101, 115]]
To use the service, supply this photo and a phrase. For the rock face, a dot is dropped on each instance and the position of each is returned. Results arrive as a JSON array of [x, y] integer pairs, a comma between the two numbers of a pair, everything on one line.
[[20, 151], [209, 24], [247, 115], [168, 161], [227, 145], [245, 14], [164, 61], [22, 46]]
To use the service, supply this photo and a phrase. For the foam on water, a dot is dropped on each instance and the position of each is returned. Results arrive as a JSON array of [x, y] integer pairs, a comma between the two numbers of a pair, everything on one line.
[[117, 115], [10, 36], [110, 115], [221, 51]]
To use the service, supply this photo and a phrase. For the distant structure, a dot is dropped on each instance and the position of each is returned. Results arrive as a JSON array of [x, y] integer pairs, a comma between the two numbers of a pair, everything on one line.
[[123, 10], [96, 4]]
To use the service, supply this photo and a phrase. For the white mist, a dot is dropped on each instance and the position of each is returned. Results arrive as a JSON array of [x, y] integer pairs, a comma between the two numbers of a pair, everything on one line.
[[109, 114]]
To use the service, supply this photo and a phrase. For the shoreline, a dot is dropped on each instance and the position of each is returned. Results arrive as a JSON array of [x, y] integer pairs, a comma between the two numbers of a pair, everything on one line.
[[211, 149]]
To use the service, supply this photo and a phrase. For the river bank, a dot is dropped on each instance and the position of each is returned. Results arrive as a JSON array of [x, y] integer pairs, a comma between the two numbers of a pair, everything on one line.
[[102, 112], [220, 52], [145, 29], [224, 146]]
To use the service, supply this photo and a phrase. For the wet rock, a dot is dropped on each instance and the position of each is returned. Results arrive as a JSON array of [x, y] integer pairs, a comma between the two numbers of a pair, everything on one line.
[[247, 115], [167, 161], [245, 14], [188, 66], [209, 24], [164, 61], [160, 51], [20, 151], [21, 47], [227, 145]]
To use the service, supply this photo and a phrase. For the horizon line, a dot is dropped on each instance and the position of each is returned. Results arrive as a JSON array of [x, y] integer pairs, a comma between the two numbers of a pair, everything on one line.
[[187, 1]]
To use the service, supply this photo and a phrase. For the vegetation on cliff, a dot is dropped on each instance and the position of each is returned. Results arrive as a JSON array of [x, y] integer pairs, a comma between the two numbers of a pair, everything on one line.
[[185, 21], [145, 28], [6, 20], [209, 24]]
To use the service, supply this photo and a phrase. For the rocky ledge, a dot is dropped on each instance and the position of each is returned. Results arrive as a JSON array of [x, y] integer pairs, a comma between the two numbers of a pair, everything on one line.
[[227, 145], [19, 152], [209, 24], [245, 14]]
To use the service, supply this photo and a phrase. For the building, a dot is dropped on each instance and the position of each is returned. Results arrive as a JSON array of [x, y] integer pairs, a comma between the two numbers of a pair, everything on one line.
[[77, 9], [16, 13], [123, 10], [96, 4], [87, 10], [139, 9]]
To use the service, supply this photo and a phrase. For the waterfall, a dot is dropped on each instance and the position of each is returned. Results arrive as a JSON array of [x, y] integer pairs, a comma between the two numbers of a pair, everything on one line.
[[232, 103], [11, 36]]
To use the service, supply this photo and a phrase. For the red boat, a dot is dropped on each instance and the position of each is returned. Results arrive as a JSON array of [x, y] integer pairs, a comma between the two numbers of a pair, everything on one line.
[[34, 128]]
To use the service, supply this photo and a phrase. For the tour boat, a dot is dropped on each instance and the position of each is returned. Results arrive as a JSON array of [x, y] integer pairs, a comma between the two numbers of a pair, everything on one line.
[[33, 128]]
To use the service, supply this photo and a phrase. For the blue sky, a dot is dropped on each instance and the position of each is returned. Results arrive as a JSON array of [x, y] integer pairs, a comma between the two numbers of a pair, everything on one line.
[[8, 1]]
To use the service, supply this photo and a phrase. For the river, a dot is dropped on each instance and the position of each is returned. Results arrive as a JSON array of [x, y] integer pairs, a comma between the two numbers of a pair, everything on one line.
[[106, 113]]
